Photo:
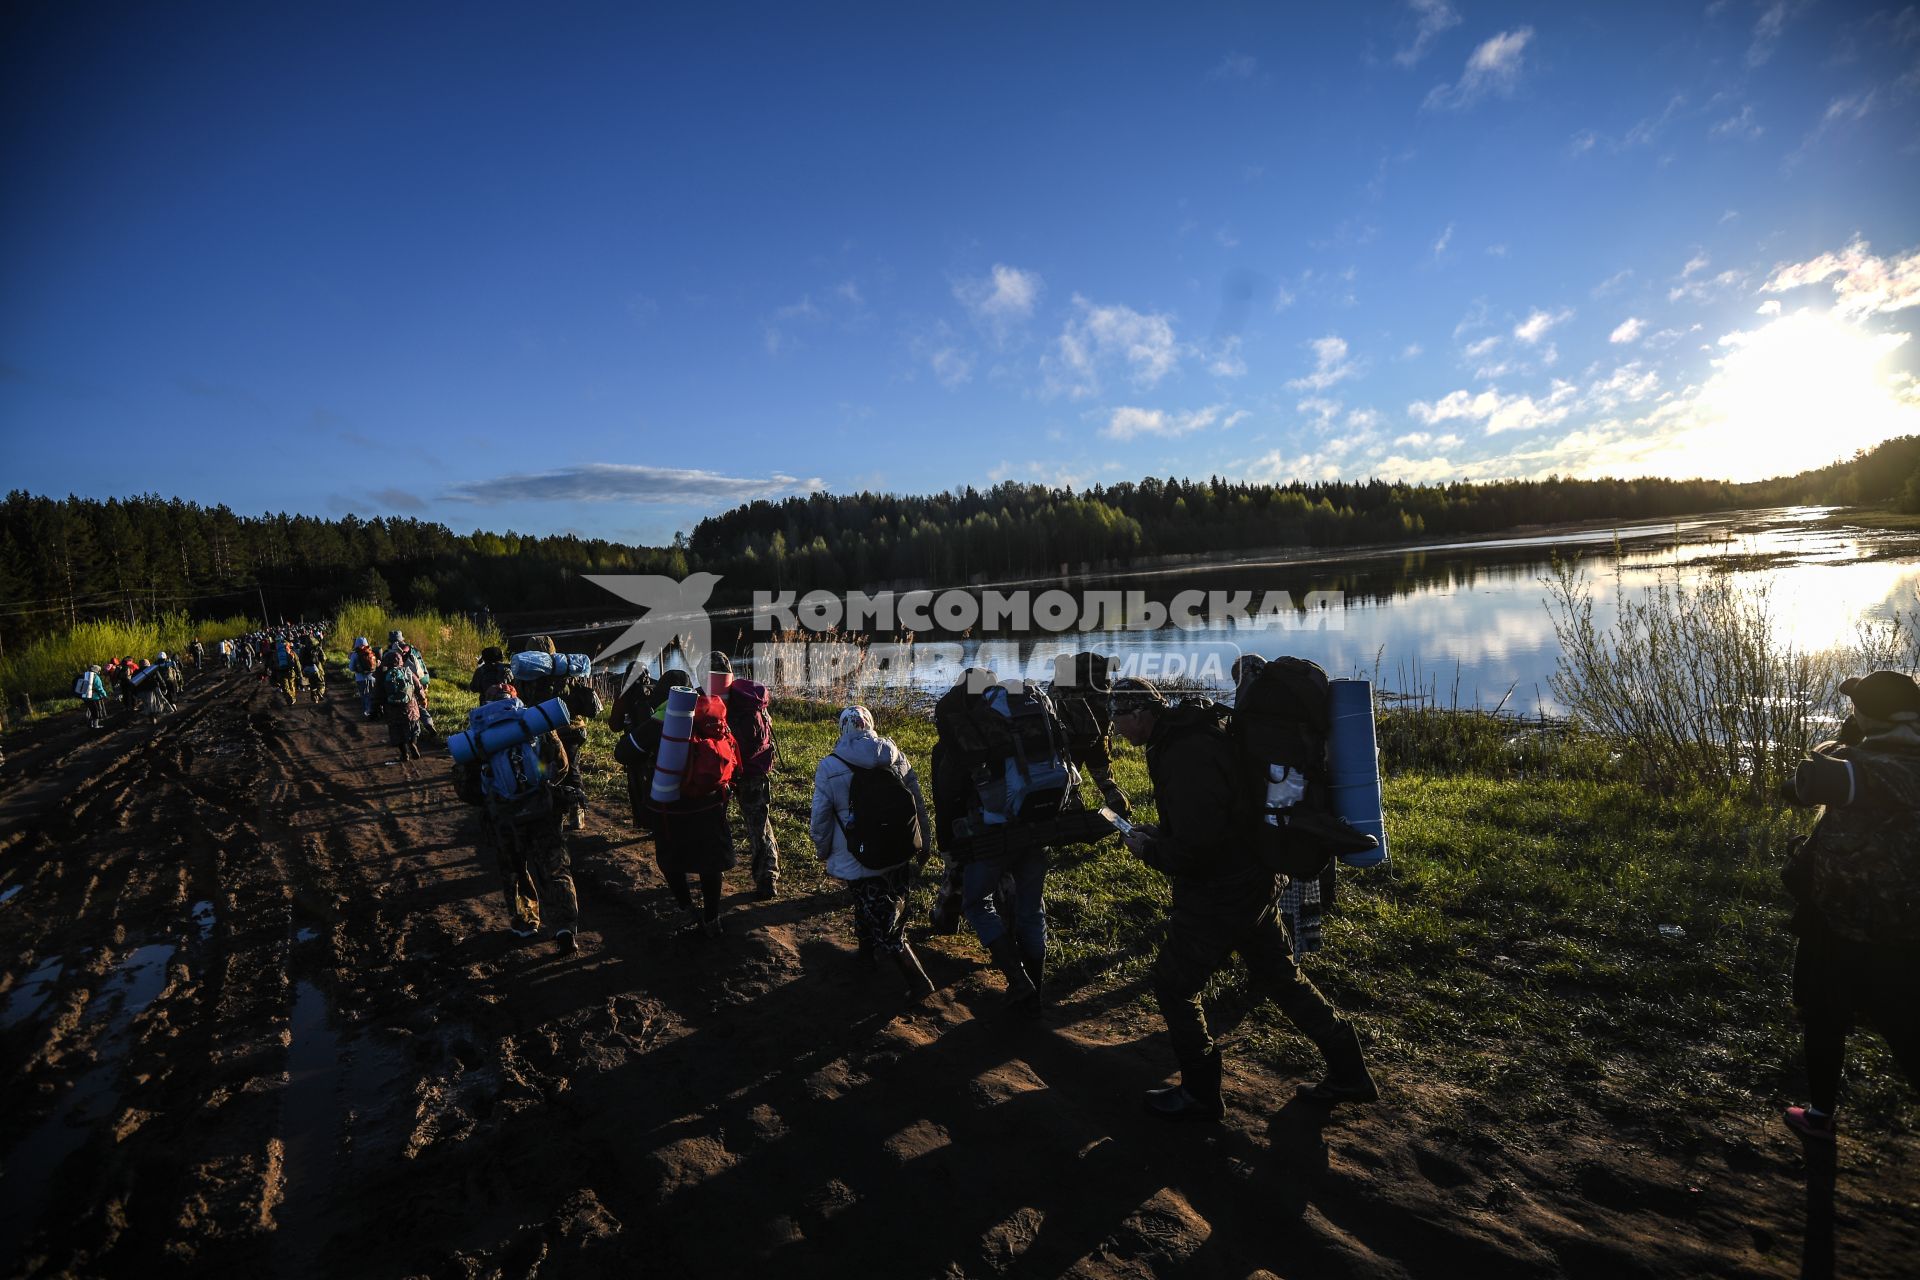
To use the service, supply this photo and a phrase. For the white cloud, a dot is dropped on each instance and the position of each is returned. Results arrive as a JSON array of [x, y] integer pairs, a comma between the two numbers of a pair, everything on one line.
[[1629, 382], [1627, 330], [1494, 67], [1322, 410], [1097, 336], [1771, 307], [1330, 365], [1698, 262], [1434, 17], [1128, 422], [951, 366], [617, 482], [1613, 283], [1862, 283], [1282, 298], [1498, 412], [1225, 238], [1535, 326], [1440, 245], [1582, 142], [1004, 295], [1426, 440], [1412, 351], [1740, 126], [849, 291], [1474, 350], [1701, 289], [1496, 251], [1766, 31], [1227, 361], [778, 331], [1235, 66]]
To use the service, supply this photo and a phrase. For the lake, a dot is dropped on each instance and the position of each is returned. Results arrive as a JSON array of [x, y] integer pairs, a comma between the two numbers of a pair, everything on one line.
[[1466, 622]]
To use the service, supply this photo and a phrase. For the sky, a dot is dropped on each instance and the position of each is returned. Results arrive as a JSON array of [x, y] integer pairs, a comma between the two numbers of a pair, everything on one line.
[[611, 268]]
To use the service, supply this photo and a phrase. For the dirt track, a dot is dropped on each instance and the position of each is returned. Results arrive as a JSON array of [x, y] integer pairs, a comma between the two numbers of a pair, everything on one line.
[[262, 1017]]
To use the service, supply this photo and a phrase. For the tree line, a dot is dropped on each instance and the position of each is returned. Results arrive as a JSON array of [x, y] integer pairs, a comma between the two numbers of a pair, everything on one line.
[[63, 561]]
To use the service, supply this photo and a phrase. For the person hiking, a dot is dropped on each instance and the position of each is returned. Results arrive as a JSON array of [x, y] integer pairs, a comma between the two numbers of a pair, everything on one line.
[[92, 692], [1224, 901], [400, 698], [364, 666], [634, 705], [1855, 882], [493, 670], [284, 664], [752, 725], [691, 836], [1080, 688], [1000, 777], [517, 788], [582, 706], [870, 829], [313, 666]]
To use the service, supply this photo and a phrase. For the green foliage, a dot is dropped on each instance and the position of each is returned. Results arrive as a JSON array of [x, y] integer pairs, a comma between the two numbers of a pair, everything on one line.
[[47, 665], [451, 645]]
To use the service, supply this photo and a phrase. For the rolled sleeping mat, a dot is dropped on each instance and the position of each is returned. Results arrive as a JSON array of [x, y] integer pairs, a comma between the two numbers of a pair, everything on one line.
[[532, 664], [1353, 763], [676, 731], [507, 730]]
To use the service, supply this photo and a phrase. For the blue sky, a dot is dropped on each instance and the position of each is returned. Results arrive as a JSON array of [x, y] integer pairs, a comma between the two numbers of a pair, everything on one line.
[[588, 267]]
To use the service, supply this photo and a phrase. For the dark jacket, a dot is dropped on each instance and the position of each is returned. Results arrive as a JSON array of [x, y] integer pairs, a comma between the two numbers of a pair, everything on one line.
[[1859, 870], [1196, 785], [489, 674]]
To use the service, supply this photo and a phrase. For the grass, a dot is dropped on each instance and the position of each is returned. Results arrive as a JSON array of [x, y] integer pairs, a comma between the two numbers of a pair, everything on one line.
[[46, 667], [1512, 952]]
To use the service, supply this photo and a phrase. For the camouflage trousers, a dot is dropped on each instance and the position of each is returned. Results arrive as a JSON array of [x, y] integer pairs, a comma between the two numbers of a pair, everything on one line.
[[1211, 921], [756, 805], [535, 870]]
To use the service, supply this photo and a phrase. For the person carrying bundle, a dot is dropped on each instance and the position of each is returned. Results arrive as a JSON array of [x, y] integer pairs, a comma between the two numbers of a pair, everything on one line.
[[752, 727], [542, 673], [313, 666], [508, 761], [870, 829], [364, 666], [401, 699], [1855, 882], [690, 760], [1224, 901], [92, 692]]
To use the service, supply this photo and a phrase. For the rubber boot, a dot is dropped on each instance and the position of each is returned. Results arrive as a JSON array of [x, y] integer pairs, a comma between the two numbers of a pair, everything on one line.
[[1006, 954], [1348, 1079], [1036, 967], [919, 985], [1196, 1097]]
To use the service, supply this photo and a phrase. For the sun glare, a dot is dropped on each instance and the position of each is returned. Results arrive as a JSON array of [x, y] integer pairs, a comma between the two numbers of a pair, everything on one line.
[[1800, 392]]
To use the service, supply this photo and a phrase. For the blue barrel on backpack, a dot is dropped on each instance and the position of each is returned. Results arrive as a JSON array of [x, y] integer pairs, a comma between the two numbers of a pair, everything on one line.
[[507, 729], [1353, 766]]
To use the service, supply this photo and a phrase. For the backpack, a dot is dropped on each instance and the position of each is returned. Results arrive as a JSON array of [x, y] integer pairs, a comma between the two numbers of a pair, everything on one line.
[[1281, 717], [397, 687], [752, 728], [515, 779], [1012, 749], [712, 756], [883, 826]]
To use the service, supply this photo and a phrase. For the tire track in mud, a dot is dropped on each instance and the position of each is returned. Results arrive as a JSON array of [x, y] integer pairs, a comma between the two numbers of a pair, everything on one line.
[[345, 1066]]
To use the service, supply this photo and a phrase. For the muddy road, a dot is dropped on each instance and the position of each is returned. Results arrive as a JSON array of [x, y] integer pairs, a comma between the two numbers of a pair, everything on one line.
[[261, 1016]]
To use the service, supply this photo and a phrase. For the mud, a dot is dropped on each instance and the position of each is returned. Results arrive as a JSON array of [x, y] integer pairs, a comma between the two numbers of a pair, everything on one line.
[[261, 1016]]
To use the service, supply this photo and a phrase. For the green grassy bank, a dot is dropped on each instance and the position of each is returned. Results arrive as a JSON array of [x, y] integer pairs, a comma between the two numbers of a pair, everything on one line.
[[1512, 956]]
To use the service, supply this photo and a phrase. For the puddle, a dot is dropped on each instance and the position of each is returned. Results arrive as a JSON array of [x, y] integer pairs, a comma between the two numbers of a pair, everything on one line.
[[31, 995], [9, 894], [32, 1165], [204, 918], [309, 1117]]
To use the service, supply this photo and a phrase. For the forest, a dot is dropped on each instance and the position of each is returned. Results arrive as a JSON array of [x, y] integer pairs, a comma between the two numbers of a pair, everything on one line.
[[68, 560]]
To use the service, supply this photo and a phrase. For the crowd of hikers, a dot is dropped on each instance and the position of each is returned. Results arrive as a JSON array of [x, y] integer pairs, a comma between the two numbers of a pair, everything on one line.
[[1245, 832]]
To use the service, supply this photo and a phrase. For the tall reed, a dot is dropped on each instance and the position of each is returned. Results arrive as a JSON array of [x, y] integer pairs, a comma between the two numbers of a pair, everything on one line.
[[47, 666]]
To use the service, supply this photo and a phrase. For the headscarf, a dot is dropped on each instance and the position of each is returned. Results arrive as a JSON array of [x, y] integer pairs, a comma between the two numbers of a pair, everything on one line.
[[855, 722]]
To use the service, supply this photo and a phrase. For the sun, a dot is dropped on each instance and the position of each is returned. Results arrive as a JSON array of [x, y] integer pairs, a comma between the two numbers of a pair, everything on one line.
[[1800, 392]]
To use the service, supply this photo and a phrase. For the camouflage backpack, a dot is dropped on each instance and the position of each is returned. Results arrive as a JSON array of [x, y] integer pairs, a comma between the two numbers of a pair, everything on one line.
[[1864, 857]]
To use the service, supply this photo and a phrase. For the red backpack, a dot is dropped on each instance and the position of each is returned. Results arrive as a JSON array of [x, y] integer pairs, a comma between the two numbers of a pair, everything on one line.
[[712, 755]]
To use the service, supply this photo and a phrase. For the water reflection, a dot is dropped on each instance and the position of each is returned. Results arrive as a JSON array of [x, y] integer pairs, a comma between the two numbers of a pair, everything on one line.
[[1470, 620]]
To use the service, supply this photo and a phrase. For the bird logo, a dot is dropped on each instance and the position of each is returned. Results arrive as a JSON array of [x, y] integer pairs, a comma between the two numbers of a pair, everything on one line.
[[676, 616]]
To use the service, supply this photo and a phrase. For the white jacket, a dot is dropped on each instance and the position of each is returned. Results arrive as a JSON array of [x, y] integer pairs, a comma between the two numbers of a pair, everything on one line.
[[831, 812]]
